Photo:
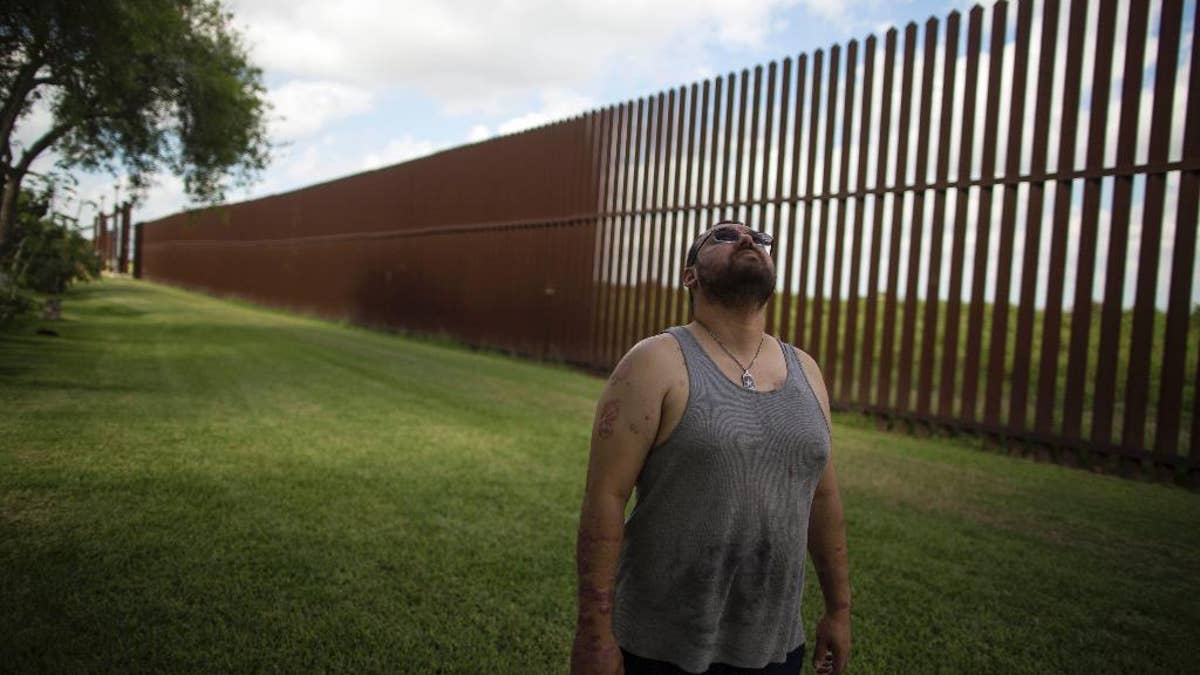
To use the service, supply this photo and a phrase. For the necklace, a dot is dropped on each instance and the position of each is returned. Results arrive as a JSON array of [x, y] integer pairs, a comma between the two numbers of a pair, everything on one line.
[[747, 378]]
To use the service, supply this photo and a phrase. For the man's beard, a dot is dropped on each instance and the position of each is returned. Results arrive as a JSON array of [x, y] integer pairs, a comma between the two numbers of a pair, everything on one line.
[[741, 285]]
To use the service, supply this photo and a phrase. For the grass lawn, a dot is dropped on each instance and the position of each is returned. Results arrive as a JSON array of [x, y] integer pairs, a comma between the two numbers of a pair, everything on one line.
[[191, 484]]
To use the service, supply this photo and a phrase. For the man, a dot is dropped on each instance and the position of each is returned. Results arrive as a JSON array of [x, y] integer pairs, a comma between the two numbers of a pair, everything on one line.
[[724, 432]]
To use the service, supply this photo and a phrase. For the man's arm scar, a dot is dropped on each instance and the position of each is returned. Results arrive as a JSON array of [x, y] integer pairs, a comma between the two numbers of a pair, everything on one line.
[[608, 417]]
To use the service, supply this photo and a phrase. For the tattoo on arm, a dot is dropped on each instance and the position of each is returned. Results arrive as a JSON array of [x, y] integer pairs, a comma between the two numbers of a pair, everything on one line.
[[608, 417]]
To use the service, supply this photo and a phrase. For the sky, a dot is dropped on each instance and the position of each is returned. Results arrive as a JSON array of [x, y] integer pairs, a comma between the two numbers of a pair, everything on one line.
[[360, 84]]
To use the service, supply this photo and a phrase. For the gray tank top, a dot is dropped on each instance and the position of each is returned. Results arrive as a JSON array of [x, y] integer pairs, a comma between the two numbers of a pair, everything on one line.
[[712, 564]]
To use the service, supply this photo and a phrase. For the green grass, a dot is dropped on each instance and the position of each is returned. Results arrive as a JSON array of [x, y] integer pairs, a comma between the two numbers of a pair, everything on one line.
[[196, 485]]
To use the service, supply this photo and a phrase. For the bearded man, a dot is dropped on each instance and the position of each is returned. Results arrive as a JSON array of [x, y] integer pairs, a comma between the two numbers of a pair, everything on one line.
[[724, 431]]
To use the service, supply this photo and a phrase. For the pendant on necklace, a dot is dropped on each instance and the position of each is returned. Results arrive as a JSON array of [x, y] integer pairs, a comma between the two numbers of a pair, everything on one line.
[[748, 381]]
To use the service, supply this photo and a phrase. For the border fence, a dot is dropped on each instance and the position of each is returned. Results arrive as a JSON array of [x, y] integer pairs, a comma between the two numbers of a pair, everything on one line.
[[985, 225]]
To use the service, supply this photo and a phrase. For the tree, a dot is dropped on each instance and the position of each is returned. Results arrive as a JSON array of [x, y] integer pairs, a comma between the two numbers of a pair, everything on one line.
[[47, 257], [138, 85]]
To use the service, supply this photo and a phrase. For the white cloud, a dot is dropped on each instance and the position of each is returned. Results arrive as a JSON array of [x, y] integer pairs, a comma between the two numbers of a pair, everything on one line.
[[556, 105], [479, 132], [473, 55], [398, 150], [301, 108]]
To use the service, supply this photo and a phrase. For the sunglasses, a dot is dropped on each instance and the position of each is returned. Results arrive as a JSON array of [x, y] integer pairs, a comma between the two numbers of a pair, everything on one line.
[[731, 235]]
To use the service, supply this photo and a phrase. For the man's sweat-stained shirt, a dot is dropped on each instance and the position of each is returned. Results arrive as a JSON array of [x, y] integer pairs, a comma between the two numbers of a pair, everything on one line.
[[712, 564]]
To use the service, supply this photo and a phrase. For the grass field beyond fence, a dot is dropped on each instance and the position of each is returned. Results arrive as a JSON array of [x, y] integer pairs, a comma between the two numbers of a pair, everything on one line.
[[196, 485]]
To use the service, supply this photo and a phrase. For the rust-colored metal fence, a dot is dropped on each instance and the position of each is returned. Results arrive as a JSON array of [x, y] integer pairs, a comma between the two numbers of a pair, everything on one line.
[[941, 198], [490, 243]]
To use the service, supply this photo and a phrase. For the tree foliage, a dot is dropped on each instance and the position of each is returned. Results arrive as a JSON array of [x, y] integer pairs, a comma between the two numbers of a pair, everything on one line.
[[48, 256], [135, 85]]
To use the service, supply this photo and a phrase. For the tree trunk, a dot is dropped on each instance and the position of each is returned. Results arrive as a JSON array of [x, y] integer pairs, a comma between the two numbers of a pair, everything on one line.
[[8, 211]]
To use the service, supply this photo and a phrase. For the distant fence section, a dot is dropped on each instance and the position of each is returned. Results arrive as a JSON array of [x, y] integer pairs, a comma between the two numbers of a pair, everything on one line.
[[491, 243], [987, 224]]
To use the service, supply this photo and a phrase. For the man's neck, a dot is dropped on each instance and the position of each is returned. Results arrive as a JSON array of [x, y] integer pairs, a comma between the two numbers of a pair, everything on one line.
[[740, 330]]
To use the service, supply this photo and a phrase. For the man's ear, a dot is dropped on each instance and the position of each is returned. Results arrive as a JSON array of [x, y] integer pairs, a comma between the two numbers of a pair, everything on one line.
[[689, 277]]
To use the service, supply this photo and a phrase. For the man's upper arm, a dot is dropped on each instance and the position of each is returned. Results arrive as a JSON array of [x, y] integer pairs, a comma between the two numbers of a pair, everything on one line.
[[627, 418]]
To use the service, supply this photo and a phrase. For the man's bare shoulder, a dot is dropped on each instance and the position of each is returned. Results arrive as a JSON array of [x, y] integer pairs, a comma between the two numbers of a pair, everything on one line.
[[651, 361]]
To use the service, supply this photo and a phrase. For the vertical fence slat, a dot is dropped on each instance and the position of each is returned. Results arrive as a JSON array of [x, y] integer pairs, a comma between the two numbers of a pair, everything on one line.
[[611, 252], [631, 233], [704, 165], [772, 191], [738, 194], [885, 116], [650, 217], [599, 309], [917, 225], [809, 193], [860, 182], [998, 345], [727, 151], [793, 205], [1022, 352], [825, 223], [643, 231], [623, 253], [1133, 427], [749, 194], [678, 210], [1081, 311], [1179, 304], [714, 212], [984, 219], [887, 339], [937, 227], [764, 189], [1047, 399], [836, 384], [694, 191], [950, 345], [1118, 239], [658, 196]]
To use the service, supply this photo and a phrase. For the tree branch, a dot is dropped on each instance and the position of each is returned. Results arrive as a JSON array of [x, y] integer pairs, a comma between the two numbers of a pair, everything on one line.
[[39, 146], [23, 84]]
